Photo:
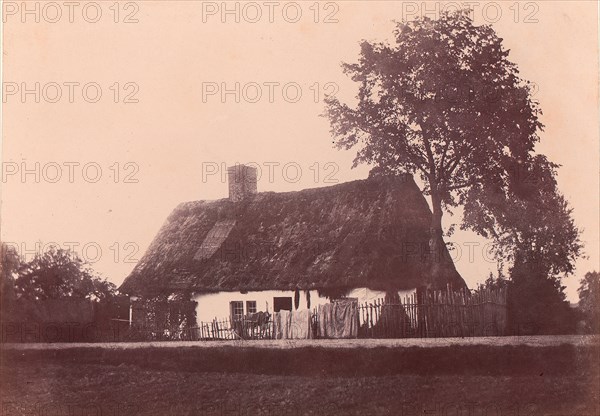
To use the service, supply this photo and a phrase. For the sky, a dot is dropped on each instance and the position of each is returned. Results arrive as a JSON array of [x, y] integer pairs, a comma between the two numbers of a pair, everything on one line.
[[114, 113]]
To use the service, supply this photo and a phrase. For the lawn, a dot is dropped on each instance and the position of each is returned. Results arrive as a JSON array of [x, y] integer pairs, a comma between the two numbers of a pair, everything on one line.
[[309, 381]]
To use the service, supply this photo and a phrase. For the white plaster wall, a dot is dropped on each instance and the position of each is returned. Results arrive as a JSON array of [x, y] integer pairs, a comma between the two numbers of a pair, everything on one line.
[[367, 295], [216, 305]]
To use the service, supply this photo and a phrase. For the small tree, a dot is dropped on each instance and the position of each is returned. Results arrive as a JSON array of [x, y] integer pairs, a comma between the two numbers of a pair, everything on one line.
[[589, 300], [59, 274], [532, 228], [9, 265]]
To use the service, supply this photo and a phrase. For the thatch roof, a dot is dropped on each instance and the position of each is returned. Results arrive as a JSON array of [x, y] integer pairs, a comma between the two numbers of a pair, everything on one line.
[[368, 233]]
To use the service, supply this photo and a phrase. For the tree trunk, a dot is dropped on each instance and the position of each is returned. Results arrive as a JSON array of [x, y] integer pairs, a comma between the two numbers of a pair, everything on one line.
[[436, 242]]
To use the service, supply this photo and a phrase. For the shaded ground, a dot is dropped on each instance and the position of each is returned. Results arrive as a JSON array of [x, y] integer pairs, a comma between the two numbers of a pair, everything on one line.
[[451, 380]]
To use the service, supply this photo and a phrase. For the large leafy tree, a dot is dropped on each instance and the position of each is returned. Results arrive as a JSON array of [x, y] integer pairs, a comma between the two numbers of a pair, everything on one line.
[[60, 274], [442, 101]]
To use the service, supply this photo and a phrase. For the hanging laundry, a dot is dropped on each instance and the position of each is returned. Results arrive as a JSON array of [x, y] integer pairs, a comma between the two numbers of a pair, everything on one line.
[[300, 325], [339, 319], [292, 324], [281, 324]]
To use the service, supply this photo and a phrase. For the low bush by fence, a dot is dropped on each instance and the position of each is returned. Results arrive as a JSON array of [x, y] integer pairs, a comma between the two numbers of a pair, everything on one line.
[[78, 320], [60, 320], [163, 320]]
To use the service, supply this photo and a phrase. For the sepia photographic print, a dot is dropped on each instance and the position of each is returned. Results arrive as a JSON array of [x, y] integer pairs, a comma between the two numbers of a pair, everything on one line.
[[300, 208]]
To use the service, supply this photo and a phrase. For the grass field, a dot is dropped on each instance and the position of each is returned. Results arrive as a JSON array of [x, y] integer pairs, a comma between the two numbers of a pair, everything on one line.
[[452, 380]]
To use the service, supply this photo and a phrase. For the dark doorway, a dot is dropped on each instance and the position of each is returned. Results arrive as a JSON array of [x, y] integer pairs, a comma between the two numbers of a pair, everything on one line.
[[282, 304]]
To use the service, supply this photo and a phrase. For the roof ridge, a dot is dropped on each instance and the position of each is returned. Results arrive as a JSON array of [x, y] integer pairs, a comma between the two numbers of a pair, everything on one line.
[[401, 178]]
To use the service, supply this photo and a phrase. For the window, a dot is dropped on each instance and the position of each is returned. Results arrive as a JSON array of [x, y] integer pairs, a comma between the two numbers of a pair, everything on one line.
[[250, 306], [282, 304], [236, 308]]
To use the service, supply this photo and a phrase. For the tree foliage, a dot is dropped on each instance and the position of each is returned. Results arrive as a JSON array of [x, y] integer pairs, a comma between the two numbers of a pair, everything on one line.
[[444, 101], [538, 302], [530, 222], [58, 274], [10, 263], [531, 226]]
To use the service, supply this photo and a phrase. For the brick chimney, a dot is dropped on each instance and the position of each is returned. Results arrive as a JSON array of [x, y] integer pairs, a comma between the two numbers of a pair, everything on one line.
[[242, 182]]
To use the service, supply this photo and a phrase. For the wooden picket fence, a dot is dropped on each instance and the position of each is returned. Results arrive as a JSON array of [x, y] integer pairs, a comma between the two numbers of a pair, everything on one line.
[[427, 314], [228, 329], [434, 314]]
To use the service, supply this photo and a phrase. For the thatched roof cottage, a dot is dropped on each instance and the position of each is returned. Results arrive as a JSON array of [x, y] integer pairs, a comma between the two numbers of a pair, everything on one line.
[[270, 251]]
